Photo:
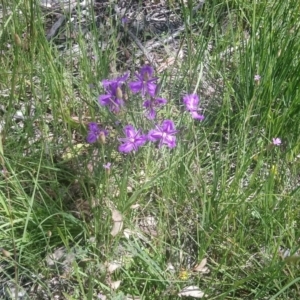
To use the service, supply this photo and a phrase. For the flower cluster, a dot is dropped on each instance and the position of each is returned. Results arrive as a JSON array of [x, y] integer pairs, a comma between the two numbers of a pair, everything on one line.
[[146, 84], [164, 134]]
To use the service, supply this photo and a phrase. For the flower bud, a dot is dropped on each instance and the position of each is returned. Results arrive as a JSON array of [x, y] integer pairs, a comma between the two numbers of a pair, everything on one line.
[[5, 253], [107, 167], [17, 39], [102, 137], [127, 53], [146, 76], [119, 93]]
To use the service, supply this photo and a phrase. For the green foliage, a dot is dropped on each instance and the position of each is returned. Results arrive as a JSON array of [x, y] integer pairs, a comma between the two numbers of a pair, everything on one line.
[[225, 192]]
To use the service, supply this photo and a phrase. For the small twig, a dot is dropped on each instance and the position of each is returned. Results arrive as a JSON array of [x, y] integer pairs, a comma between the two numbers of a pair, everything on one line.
[[135, 39], [55, 27], [146, 50], [142, 48], [150, 46]]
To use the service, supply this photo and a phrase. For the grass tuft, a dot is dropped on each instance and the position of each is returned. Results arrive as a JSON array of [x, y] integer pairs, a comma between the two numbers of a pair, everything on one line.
[[226, 196]]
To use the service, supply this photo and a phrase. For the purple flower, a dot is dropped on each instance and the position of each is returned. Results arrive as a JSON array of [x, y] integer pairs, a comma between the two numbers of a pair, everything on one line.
[[146, 84], [112, 102], [276, 141], [133, 140], [114, 97], [257, 77], [117, 81], [107, 166], [150, 106], [191, 103], [164, 134], [124, 20], [94, 132]]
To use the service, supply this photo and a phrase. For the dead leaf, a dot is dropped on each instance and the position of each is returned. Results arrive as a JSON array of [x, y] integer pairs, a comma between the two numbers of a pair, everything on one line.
[[128, 233], [118, 222], [170, 267], [201, 267], [191, 291], [112, 266], [167, 63], [83, 208], [115, 284], [148, 225], [134, 206]]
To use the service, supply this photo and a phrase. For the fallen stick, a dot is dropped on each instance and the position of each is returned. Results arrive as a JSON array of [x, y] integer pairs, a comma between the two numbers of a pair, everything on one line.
[[55, 27]]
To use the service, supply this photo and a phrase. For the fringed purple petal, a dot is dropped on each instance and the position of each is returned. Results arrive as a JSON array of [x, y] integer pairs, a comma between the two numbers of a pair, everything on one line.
[[136, 86]]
